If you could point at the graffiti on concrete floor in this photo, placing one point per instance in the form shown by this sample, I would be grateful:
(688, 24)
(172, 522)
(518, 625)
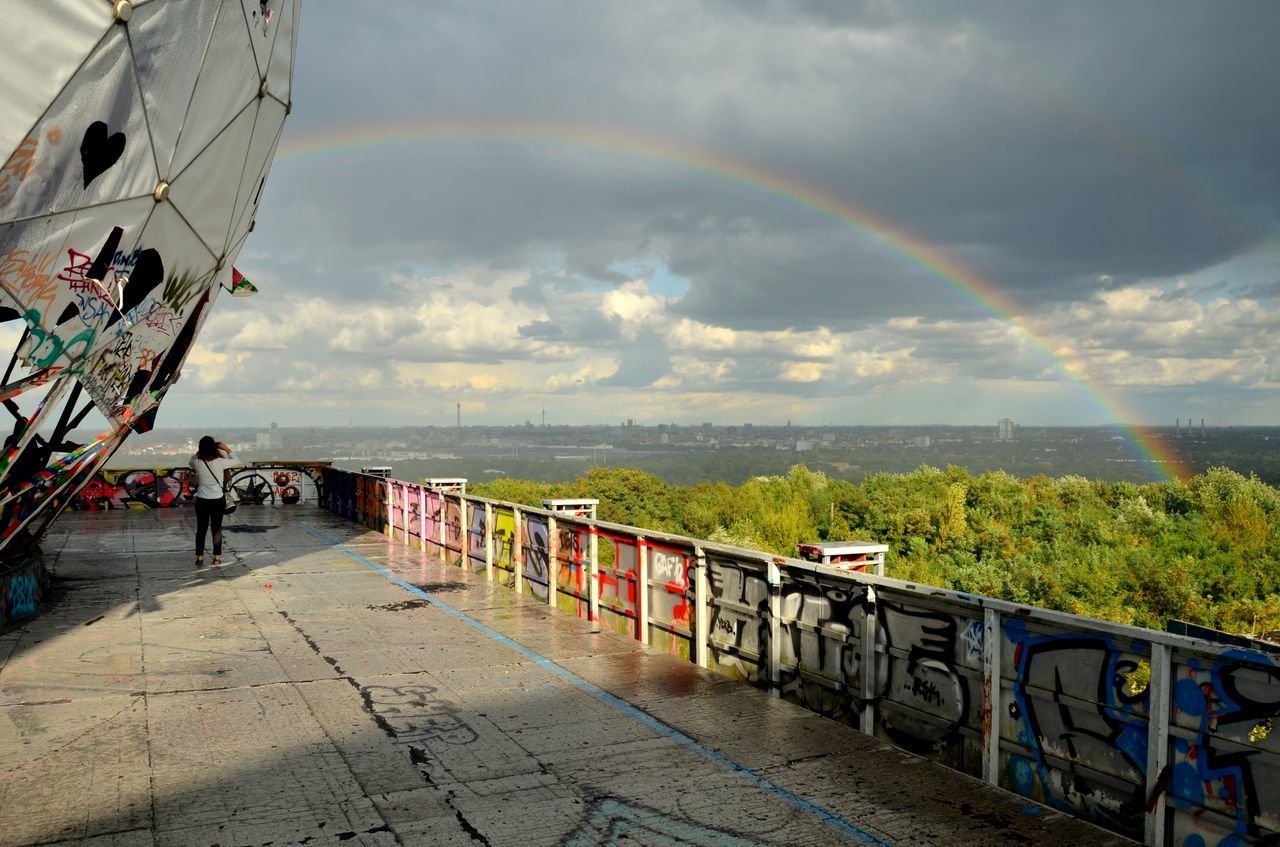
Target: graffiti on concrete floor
(610, 822)
(415, 714)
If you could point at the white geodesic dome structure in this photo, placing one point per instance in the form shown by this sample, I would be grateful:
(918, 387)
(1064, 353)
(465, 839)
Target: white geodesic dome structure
(138, 136)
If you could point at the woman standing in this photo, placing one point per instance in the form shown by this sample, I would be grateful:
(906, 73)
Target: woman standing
(212, 466)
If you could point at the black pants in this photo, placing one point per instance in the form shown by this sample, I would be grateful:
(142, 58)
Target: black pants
(209, 515)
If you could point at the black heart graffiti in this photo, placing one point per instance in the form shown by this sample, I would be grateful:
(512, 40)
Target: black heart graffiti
(99, 151)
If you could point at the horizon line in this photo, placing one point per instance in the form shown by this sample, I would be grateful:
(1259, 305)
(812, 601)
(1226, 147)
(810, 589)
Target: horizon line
(793, 425)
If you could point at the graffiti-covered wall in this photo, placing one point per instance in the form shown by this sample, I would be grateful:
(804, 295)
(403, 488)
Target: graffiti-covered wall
(258, 483)
(1163, 738)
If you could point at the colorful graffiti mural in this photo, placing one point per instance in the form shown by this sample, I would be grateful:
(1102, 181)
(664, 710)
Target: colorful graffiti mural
(260, 483)
(1079, 723)
(270, 483)
(135, 489)
(573, 569)
(1224, 780)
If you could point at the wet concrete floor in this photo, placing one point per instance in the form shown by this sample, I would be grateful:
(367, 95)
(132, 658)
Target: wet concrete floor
(298, 695)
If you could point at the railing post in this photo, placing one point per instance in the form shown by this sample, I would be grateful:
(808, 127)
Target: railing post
(1158, 697)
(642, 590)
(405, 511)
(991, 662)
(464, 534)
(390, 528)
(701, 610)
(422, 517)
(553, 553)
(517, 550)
(869, 626)
(390, 518)
(488, 541)
(774, 579)
(593, 589)
(442, 521)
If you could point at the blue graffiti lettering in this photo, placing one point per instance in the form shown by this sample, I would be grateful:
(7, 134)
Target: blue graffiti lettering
(22, 597)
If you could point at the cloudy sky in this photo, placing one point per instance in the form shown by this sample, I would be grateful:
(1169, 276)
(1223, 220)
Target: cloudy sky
(759, 210)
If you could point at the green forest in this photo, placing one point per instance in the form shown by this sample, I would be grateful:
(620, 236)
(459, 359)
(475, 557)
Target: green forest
(1205, 551)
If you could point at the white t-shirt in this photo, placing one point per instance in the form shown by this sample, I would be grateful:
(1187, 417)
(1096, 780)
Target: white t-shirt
(209, 478)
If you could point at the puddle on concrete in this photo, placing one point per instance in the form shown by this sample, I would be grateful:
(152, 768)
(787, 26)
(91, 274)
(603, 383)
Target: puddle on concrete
(437, 587)
(399, 607)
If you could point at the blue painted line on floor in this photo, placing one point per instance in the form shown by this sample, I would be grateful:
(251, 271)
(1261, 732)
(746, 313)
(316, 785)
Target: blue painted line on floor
(637, 714)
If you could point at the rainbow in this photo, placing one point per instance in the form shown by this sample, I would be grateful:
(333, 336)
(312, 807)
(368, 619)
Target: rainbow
(875, 229)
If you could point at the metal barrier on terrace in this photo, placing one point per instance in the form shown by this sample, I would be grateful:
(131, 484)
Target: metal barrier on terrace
(1163, 738)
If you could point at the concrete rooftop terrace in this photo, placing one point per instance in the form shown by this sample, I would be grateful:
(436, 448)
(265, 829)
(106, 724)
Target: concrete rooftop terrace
(326, 685)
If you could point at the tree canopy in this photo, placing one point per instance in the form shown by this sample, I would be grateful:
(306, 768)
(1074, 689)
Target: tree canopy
(1205, 551)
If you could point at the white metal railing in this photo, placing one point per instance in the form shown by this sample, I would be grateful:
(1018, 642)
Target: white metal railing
(1164, 738)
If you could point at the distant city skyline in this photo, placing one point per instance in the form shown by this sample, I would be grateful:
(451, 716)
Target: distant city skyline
(270, 434)
(700, 452)
(863, 213)
(241, 423)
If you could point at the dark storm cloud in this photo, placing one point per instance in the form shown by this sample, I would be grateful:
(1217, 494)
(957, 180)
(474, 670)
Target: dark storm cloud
(774, 281)
(1064, 141)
